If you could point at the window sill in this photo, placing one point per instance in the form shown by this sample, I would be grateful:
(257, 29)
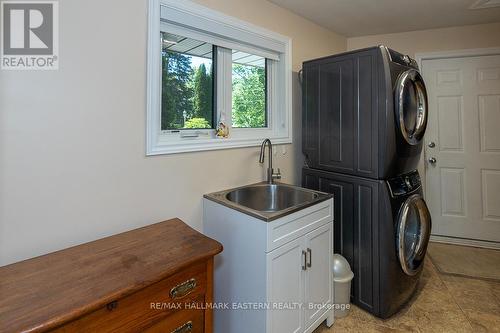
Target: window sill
(196, 144)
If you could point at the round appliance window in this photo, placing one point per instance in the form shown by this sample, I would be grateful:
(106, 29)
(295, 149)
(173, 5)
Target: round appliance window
(414, 227)
(411, 106)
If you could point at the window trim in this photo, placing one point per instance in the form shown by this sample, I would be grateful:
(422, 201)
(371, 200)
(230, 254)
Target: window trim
(279, 120)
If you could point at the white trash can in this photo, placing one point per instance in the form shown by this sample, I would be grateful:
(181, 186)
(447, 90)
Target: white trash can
(342, 277)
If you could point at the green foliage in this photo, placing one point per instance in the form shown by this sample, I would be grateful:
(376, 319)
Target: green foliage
(187, 100)
(202, 93)
(249, 96)
(186, 93)
(176, 96)
(197, 123)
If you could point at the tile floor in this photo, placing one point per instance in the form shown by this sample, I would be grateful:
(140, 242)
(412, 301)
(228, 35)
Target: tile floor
(465, 260)
(443, 303)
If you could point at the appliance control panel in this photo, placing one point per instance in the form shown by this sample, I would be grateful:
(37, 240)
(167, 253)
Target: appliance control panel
(402, 59)
(404, 184)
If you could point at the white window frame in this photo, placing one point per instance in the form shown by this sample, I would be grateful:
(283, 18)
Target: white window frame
(186, 18)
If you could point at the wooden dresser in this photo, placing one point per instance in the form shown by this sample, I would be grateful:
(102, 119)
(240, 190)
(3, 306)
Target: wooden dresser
(152, 279)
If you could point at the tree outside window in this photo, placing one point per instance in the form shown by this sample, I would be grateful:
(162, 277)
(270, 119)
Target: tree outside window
(187, 97)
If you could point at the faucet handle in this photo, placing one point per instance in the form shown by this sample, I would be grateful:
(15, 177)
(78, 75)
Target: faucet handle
(277, 175)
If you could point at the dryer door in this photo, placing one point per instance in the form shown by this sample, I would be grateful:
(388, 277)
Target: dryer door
(413, 232)
(411, 106)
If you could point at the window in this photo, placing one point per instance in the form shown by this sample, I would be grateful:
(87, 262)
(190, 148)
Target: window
(187, 83)
(249, 100)
(206, 68)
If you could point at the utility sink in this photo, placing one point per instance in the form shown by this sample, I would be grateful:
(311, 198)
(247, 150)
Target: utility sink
(270, 197)
(268, 201)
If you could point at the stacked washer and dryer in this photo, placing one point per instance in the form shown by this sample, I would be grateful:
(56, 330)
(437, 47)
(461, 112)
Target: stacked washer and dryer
(364, 118)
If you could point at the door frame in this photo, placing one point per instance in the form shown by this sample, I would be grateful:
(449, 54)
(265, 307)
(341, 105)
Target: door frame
(450, 54)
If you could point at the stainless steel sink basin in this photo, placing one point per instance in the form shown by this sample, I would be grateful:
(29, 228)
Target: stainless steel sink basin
(268, 201)
(270, 197)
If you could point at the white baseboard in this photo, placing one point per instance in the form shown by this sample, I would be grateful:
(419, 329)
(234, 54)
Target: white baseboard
(465, 242)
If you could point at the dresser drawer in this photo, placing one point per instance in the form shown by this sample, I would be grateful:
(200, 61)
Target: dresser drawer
(184, 321)
(146, 307)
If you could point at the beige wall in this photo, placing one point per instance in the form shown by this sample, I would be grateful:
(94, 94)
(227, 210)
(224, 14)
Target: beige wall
(72, 141)
(455, 38)
(309, 40)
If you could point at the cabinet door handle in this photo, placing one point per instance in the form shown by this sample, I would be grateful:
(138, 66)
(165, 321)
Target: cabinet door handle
(304, 255)
(183, 289)
(187, 327)
(309, 251)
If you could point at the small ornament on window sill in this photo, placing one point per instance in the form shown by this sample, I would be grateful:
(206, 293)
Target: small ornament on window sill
(222, 130)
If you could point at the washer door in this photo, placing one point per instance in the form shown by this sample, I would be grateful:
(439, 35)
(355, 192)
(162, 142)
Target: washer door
(411, 106)
(413, 232)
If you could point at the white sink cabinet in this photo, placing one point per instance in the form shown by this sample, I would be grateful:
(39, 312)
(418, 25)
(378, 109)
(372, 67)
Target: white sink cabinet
(274, 276)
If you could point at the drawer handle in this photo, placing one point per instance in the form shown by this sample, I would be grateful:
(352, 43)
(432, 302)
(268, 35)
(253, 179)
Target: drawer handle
(187, 327)
(112, 305)
(183, 289)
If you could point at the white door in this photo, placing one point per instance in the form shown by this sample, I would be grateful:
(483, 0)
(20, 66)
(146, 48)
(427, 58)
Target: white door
(463, 136)
(318, 290)
(286, 267)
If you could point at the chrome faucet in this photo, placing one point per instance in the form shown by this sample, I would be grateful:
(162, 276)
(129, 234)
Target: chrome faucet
(271, 176)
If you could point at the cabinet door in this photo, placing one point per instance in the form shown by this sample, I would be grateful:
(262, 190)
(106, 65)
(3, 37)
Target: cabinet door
(318, 277)
(285, 276)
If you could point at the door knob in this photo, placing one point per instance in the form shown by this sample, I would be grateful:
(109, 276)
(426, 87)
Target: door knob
(432, 160)
(431, 144)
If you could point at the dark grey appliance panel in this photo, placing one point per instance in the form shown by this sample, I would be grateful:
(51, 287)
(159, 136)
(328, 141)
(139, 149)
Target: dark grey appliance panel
(310, 116)
(355, 229)
(336, 120)
(344, 230)
(340, 107)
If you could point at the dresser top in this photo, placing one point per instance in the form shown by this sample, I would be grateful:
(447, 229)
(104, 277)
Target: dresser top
(47, 291)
